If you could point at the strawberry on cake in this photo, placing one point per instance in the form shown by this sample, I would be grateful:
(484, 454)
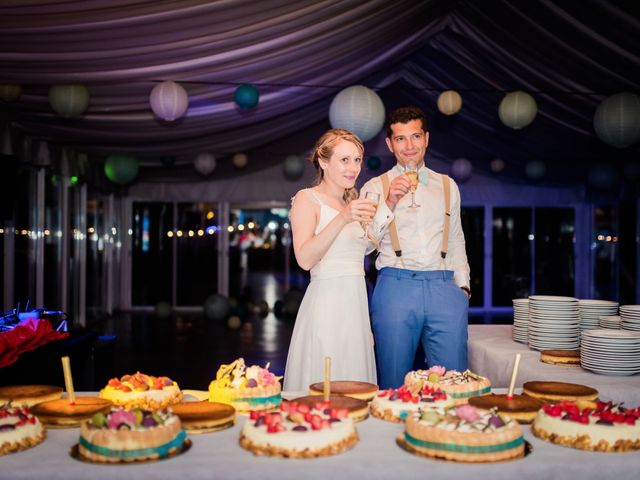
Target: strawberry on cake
(19, 429)
(460, 386)
(142, 391)
(394, 405)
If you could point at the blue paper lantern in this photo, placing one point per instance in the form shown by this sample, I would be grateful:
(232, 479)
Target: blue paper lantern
(246, 96)
(603, 176)
(168, 160)
(535, 169)
(373, 162)
(121, 169)
(461, 170)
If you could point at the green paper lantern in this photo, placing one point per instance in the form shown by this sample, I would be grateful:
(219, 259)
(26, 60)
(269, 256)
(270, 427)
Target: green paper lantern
(121, 169)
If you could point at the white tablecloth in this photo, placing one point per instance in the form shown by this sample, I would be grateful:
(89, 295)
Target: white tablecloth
(492, 353)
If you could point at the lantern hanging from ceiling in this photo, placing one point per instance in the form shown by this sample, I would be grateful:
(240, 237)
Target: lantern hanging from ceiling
(373, 162)
(449, 102)
(617, 120)
(205, 163)
(497, 165)
(535, 169)
(240, 160)
(169, 100)
(603, 176)
(461, 170)
(246, 96)
(69, 100)
(517, 110)
(10, 93)
(359, 110)
(293, 167)
(121, 169)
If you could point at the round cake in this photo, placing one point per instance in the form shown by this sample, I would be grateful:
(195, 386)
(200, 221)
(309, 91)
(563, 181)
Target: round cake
(566, 358)
(61, 413)
(394, 405)
(205, 416)
(463, 434)
(29, 395)
(358, 409)
(298, 431)
(522, 408)
(361, 390)
(142, 391)
(588, 425)
(460, 386)
(19, 430)
(246, 388)
(133, 435)
(557, 391)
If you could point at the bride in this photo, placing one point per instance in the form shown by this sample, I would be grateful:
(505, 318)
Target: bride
(328, 239)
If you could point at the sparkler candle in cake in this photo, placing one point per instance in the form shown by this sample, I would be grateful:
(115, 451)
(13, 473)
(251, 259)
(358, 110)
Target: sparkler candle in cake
(19, 429)
(246, 388)
(394, 405)
(142, 391)
(459, 386)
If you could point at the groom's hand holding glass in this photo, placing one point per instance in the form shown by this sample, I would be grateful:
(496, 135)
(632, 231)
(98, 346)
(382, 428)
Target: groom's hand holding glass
(398, 188)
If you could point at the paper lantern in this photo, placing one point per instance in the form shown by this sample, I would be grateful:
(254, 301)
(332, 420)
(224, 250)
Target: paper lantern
(497, 165)
(121, 169)
(10, 93)
(168, 160)
(169, 100)
(293, 167)
(517, 110)
(449, 102)
(535, 169)
(617, 120)
(461, 170)
(603, 176)
(373, 162)
(240, 160)
(205, 163)
(69, 100)
(246, 96)
(359, 110)
(216, 307)
(163, 310)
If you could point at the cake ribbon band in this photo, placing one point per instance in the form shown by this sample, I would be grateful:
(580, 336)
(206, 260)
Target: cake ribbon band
(161, 451)
(469, 394)
(452, 447)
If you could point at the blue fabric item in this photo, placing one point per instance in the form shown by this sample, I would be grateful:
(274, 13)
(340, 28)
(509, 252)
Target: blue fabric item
(410, 307)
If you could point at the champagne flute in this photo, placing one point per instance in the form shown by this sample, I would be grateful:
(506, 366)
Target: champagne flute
(411, 171)
(376, 198)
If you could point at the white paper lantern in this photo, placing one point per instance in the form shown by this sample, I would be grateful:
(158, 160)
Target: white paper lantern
(69, 100)
(10, 93)
(517, 110)
(293, 167)
(240, 160)
(617, 120)
(449, 102)
(205, 163)
(359, 110)
(535, 169)
(461, 170)
(169, 100)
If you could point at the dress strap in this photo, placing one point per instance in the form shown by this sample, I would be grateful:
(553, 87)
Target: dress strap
(314, 197)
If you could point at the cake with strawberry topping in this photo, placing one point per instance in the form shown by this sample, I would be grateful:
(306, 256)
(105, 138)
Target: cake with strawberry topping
(246, 388)
(299, 431)
(589, 425)
(394, 405)
(19, 429)
(142, 391)
(460, 386)
(463, 434)
(131, 435)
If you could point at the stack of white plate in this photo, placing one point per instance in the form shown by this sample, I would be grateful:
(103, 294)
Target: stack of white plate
(610, 352)
(554, 323)
(590, 310)
(613, 322)
(520, 319)
(630, 315)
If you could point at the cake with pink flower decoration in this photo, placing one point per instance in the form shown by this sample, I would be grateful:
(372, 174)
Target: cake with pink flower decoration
(463, 434)
(246, 388)
(460, 386)
(395, 404)
(135, 435)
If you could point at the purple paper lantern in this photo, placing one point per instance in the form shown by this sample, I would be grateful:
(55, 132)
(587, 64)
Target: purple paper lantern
(461, 170)
(169, 100)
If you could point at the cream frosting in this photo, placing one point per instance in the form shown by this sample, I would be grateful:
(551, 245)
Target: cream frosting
(19, 433)
(597, 432)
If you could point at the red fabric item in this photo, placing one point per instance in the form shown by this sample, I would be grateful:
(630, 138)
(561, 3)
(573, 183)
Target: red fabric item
(27, 335)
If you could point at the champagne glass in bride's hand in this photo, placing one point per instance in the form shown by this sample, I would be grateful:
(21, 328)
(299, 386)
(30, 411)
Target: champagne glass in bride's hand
(411, 172)
(376, 198)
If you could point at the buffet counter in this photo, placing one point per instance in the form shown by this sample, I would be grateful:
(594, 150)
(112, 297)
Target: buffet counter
(492, 352)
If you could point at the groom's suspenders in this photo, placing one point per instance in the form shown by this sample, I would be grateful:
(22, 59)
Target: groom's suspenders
(393, 230)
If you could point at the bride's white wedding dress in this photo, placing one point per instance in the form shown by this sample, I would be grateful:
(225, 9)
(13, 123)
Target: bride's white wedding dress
(333, 319)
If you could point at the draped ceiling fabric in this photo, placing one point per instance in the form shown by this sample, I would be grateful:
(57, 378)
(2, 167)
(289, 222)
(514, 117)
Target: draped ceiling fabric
(568, 55)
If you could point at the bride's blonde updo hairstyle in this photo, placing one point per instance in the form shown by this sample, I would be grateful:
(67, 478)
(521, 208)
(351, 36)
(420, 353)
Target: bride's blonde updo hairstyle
(324, 149)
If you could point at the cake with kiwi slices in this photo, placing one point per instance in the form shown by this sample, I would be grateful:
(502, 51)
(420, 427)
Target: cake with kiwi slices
(130, 435)
(459, 386)
(142, 391)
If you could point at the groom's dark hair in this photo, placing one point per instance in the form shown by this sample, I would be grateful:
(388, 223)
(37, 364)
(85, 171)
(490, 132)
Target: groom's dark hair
(405, 115)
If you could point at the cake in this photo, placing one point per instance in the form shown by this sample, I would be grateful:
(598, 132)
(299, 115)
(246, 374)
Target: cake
(61, 413)
(361, 390)
(522, 408)
(124, 435)
(588, 425)
(557, 391)
(204, 416)
(246, 388)
(463, 434)
(142, 391)
(358, 409)
(28, 395)
(394, 405)
(299, 431)
(567, 358)
(19, 429)
(460, 386)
